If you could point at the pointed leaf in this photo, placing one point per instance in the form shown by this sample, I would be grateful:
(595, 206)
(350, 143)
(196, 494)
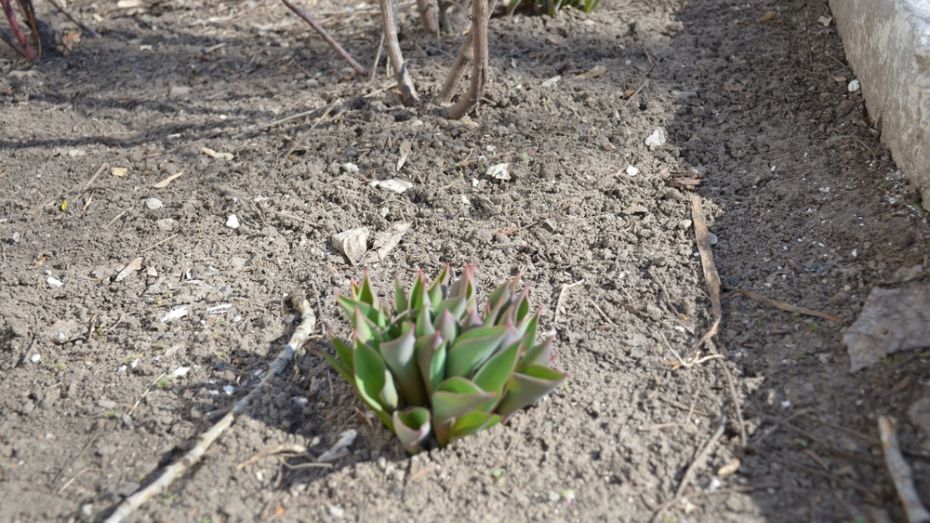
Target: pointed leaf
(412, 426)
(447, 326)
(366, 294)
(375, 315)
(341, 367)
(456, 396)
(419, 295)
(400, 357)
(388, 394)
(537, 355)
(472, 423)
(494, 374)
(369, 376)
(455, 305)
(424, 323)
(400, 298)
(435, 288)
(472, 348)
(344, 351)
(526, 387)
(362, 327)
(431, 360)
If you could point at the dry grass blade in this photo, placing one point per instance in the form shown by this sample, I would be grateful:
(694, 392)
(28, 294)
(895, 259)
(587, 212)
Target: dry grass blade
(787, 307)
(699, 459)
(288, 448)
(901, 473)
(359, 68)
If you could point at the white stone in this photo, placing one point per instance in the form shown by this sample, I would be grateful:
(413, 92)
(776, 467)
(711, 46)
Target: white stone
(232, 221)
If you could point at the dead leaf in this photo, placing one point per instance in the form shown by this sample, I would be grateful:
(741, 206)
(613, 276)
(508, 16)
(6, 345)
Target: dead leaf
(133, 266)
(733, 86)
(686, 183)
(500, 171)
(404, 153)
(216, 155)
(167, 181)
(770, 16)
(393, 184)
(387, 240)
(629, 93)
(594, 72)
(339, 449)
(892, 320)
(551, 81)
(729, 468)
(352, 243)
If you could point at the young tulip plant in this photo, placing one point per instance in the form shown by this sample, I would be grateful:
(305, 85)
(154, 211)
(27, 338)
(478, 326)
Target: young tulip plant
(434, 367)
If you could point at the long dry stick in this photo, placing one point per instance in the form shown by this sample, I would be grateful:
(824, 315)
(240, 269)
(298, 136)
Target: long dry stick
(787, 307)
(359, 68)
(408, 92)
(456, 71)
(479, 74)
(702, 237)
(192, 457)
(901, 473)
(84, 27)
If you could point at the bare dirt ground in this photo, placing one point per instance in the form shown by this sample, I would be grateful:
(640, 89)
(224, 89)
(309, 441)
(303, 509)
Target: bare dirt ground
(804, 200)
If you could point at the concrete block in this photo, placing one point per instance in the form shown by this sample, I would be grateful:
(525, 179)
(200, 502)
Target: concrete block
(887, 43)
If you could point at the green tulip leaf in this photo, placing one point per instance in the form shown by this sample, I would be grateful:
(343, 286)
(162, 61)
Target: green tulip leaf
(472, 348)
(472, 423)
(400, 356)
(526, 387)
(412, 427)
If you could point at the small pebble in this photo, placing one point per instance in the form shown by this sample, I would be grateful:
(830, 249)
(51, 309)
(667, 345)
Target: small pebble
(107, 404)
(336, 512)
(684, 224)
(153, 204)
(229, 389)
(54, 282)
(853, 86)
(713, 238)
(632, 170)
(166, 224)
(35, 358)
(232, 221)
(15, 237)
(656, 139)
(350, 168)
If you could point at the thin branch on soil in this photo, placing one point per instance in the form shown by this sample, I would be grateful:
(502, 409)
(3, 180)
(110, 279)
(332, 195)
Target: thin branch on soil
(787, 307)
(702, 237)
(603, 314)
(479, 73)
(292, 449)
(359, 68)
(699, 459)
(192, 457)
(561, 299)
(901, 473)
(692, 360)
(408, 92)
(77, 21)
(160, 242)
(144, 394)
(87, 185)
(72, 480)
(374, 65)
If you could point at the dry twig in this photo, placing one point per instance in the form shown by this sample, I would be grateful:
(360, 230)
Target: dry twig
(561, 299)
(407, 91)
(901, 473)
(359, 68)
(193, 456)
(84, 27)
(702, 236)
(479, 74)
(787, 307)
